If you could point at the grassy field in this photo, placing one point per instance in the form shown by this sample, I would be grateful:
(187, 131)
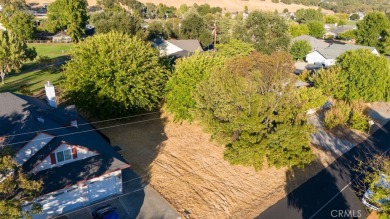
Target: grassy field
(34, 74)
(52, 50)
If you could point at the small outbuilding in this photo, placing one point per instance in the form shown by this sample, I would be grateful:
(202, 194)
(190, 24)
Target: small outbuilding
(62, 37)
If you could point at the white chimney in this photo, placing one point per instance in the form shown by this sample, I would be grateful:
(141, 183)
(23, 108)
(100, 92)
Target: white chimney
(50, 95)
(74, 123)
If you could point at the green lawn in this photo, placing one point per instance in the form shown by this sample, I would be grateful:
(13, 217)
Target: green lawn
(52, 50)
(33, 74)
(35, 80)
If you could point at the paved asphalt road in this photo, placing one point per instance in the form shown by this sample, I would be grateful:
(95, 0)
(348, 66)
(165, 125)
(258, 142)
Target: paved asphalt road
(329, 194)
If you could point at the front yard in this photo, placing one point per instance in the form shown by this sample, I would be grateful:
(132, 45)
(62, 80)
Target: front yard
(34, 74)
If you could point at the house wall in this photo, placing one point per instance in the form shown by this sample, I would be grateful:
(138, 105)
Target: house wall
(70, 198)
(28, 150)
(315, 57)
(46, 163)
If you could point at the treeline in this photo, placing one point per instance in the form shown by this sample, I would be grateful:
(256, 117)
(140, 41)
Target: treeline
(352, 6)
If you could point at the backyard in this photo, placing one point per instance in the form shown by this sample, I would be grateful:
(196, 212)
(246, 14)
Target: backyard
(34, 74)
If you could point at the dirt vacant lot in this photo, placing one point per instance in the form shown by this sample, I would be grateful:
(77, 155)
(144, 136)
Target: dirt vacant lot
(188, 169)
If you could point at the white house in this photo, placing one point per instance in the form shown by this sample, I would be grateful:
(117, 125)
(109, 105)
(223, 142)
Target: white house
(76, 169)
(328, 55)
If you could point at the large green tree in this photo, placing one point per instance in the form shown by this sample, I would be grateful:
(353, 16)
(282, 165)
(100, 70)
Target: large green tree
(21, 23)
(365, 75)
(233, 48)
(189, 72)
(268, 32)
(299, 49)
(120, 21)
(70, 15)
(13, 53)
(251, 106)
(296, 30)
(306, 15)
(114, 74)
(15, 188)
(194, 26)
(316, 29)
(372, 29)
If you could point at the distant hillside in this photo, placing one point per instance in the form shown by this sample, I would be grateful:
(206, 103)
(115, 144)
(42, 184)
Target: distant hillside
(41, 2)
(229, 5)
(233, 5)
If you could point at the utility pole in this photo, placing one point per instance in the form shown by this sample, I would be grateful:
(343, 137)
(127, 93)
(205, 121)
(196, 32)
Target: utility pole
(215, 34)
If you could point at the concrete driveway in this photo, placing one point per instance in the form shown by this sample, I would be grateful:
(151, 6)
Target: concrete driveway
(137, 201)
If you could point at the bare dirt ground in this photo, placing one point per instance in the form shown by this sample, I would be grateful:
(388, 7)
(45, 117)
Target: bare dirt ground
(183, 165)
(227, 5)
(188, 169)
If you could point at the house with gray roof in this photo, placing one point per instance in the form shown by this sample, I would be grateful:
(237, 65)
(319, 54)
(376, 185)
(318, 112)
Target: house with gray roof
(327, 56)
(314, 42)
(76, 163)
(333, 30)
(177, 48)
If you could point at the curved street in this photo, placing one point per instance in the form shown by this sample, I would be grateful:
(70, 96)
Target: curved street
(330, 193)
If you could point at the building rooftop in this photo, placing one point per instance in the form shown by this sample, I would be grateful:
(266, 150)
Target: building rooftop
(23, 117)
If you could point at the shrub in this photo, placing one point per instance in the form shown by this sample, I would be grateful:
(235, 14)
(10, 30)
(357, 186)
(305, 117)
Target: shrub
(337, 115)
(359, 119)
(25, 90)
(44, 60)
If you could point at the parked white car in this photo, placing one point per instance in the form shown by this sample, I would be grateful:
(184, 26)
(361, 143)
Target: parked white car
(368, 195)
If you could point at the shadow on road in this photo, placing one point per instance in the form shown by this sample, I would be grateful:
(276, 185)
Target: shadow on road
(333, 192)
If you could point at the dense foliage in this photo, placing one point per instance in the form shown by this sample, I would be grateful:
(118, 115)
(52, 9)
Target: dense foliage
(120, 21)
(359, 75)
(316, 29)
(189, 72)
(249, 105)
(15, 188)
(21, 23)
(13, 52)
(194, 26)
(68, 14)
(299, 49)
(371, 30)
(364, 75)
(296, 29)
(114, 74)
(268, 32)
(307, 15)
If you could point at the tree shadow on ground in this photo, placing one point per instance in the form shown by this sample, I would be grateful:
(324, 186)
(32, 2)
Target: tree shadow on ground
(139, 140)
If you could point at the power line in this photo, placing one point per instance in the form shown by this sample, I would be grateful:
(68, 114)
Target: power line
(141, 188)
(346, 186)
(87, 123)
(91, 130)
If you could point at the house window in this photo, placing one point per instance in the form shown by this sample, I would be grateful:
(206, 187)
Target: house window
(64, 155)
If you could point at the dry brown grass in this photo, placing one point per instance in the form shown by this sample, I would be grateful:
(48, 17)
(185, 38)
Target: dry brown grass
(188, 169)
(227, 5)
(233, 5)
